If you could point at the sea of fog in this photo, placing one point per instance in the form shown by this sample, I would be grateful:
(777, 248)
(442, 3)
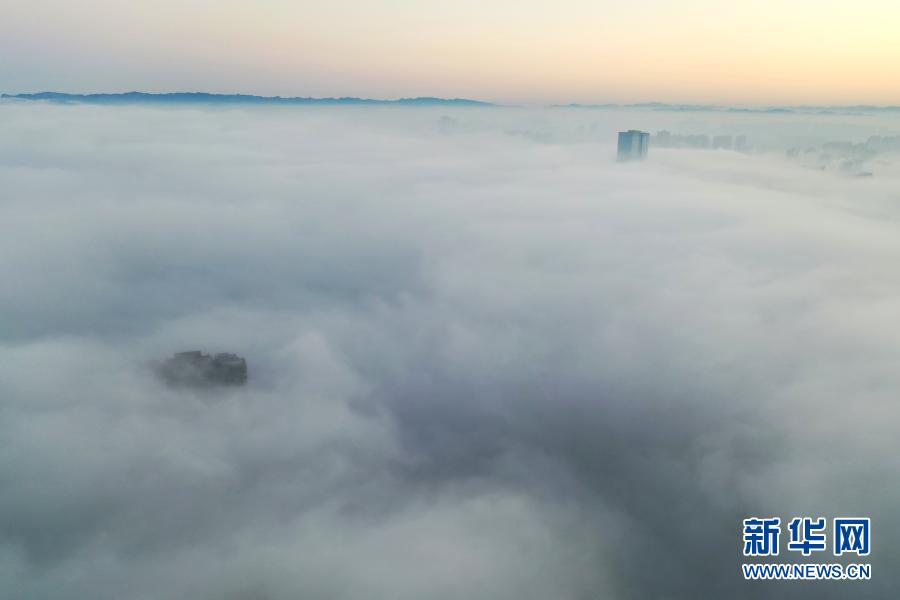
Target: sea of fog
(485, 360)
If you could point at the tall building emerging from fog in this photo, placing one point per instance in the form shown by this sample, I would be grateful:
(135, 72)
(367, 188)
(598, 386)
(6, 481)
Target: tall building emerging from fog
(633, 144)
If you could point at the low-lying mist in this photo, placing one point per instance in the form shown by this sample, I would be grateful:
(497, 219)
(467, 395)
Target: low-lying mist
(485, 360)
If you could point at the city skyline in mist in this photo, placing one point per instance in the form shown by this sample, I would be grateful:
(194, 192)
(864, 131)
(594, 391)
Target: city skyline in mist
(532, 52)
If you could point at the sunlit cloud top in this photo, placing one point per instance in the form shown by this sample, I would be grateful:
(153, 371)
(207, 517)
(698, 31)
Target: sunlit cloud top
(765, 51)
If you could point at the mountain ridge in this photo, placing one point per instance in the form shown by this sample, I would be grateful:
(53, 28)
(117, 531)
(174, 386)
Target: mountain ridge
(211, 98)
(662, 106)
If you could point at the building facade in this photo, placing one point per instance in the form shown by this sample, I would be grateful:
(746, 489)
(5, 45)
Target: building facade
(633, 145)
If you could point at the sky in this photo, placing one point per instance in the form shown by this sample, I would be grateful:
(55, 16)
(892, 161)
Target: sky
(485, 360)
(524, 51)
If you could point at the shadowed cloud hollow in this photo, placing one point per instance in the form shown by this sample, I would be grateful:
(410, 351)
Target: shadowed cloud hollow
(487, 361)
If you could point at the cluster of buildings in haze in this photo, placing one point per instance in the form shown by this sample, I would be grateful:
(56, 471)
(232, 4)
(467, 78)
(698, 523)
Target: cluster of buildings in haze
(635, 144)
(665, 139)
(844, 156)
(194, 369)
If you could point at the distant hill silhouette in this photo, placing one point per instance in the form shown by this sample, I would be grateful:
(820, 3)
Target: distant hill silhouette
(206, 98)
(661, 106)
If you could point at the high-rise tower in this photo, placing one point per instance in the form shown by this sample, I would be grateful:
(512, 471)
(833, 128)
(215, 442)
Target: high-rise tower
(633, 144)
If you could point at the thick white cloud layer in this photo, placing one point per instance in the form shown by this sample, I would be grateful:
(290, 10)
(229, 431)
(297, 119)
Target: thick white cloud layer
(486, 361)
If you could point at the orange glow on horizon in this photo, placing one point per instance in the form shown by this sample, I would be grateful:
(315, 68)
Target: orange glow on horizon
(529, 51)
